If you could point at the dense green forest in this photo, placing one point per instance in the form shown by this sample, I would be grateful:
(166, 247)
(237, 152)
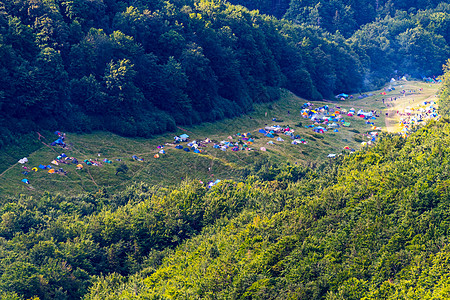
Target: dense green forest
(369, 225)
(139, 68)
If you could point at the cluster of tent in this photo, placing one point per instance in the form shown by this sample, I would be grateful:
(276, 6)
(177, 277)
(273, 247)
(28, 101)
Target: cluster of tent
(161, 151)
(413, 116)
(271, 131)
(343, 96)
(194, 146)
(135, 157)
(431, 79)
(362, 96)
(54, 167)
(182, 138)
(325, 120)
(60, 140)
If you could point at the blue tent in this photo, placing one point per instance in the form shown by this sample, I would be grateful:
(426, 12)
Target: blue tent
(184, 136)
(42, 167)
(179, 147)
(25, 181)
(186, 149)
(262, 131)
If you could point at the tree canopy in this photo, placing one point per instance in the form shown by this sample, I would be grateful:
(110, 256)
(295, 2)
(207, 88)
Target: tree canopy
(139, 68)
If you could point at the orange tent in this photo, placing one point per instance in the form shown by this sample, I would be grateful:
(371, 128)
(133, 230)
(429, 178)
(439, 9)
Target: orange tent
(51, 171)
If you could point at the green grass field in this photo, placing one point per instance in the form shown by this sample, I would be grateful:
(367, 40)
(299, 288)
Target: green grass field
(177, 165)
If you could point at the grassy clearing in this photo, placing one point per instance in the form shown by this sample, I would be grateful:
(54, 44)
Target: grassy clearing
(178, 165)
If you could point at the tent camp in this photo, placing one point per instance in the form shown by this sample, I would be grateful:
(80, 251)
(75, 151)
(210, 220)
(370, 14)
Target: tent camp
(342, 95)
(23, 160)
(365, 114)
(184, 137)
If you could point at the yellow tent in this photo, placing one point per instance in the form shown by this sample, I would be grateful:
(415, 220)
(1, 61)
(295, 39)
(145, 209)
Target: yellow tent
(79, 166)
(34, 169)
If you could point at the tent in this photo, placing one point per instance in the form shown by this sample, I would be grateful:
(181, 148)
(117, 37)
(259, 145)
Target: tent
(162, 152)
(42, 167)
(34, 169)
(179, 147)
(55, 162)
(211, 183)
(262, 131)
(51, 171)
(23, 160)
(262, 149)
(25, 181)
(79, 167)
(280, 139)
(156, 155)
(184, 137)
(331, 155)
(187, 149)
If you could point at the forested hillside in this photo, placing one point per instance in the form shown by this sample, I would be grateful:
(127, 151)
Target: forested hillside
(373, 224)
(139, 68)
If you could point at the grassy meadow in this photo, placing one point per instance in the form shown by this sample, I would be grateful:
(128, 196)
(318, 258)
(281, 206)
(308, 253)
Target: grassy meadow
(177, 165)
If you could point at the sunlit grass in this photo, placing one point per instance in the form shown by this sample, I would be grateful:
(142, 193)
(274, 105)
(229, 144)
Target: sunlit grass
(177, 165)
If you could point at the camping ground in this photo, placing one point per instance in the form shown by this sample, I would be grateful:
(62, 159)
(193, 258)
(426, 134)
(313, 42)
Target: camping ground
(177, 165)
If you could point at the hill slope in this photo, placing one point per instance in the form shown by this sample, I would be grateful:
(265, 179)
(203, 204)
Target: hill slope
(175, 165)
(353, 227)
(374, 227)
